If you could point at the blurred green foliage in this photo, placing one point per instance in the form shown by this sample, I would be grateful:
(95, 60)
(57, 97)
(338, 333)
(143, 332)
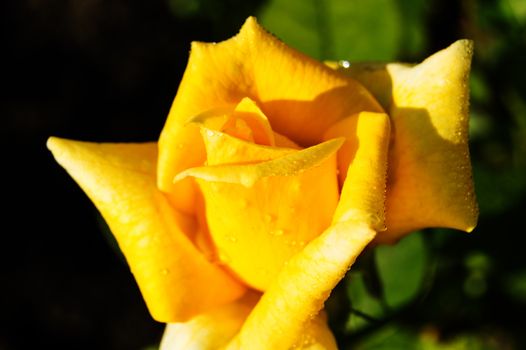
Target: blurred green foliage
(334, 29)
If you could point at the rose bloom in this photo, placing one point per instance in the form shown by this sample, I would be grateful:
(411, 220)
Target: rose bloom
(272, 173)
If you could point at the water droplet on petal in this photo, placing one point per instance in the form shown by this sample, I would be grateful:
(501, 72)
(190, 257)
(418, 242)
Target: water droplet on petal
(344, 64)
(165, 271)
(231, 239)
(277, 232)
(308, 341)
(292, 243)
(224, 258)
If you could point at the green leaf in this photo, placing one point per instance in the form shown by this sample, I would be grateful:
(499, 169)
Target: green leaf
(371, 278)
(402, 269)
(184, 8)
(516, 286)
(294, 22)
(389, 338)
(365, 30)
(393, 337)
(390, 280)
(365, 307)
(358, 30)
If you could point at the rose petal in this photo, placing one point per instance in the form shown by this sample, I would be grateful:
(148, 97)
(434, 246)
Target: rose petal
(302, 286)
(226, 120)
(363, 157)
(300, 96)
(316, 335)
(213, 330)
(176, 281)
(210, 330)
(305, 282)
(374, 76)
(247, 175)
(248, 111)
(268, 210)
(283, 141)
(224, 149)
(430, 181)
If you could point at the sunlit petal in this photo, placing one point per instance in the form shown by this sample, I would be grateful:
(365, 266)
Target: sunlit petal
(175, 279)
(430, 182)
(269, 209)
(301, 288)
(210, 330)
(213, 330)
(300, 96)
(306, 280)
(247, 175)
(363, 158)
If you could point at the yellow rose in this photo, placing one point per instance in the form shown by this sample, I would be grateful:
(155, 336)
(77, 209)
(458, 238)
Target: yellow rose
(272, 173)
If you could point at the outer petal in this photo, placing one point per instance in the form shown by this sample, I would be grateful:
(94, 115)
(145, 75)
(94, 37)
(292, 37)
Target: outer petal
(301, 97)
(430, 183)
(363, 158)
(316, 335)
(176, 281)
(260, 214)
(301, 288)
(214, 329)
(305, 282)
(210, 330)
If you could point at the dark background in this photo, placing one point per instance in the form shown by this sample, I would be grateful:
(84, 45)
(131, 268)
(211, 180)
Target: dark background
(108, 70)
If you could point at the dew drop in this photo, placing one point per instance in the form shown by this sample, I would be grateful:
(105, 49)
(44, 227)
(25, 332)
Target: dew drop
(144, 242)
(277, 232)
(307, 341)
(231, 239)
(344, 64)
(224, 258)
(165, 271)
(292, 243)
